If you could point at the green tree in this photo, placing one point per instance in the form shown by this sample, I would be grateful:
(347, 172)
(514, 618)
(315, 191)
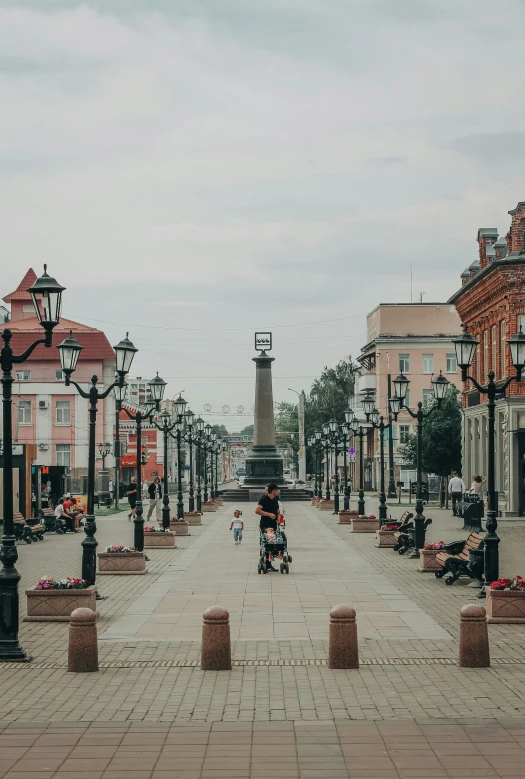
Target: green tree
(441, 438)
(220, 430)
(248, 430)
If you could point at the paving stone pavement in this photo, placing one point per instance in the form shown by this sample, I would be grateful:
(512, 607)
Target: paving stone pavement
(280, 694)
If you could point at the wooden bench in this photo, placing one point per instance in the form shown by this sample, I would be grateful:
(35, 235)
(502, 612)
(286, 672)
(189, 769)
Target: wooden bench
(404, 536)
(51, 523)
(25, 532)
(456, 560)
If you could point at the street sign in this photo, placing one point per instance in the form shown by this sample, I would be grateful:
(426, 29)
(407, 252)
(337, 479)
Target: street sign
(352, 450)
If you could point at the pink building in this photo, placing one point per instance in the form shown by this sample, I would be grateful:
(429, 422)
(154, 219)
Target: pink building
(46, 412)
(413, 338)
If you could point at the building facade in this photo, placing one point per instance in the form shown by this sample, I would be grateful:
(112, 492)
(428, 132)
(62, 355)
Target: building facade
(491, 302)
(410, 338)
(46, 412)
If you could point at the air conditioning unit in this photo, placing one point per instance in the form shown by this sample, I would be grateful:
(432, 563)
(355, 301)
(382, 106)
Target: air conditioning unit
(43, 404)
(43, 447)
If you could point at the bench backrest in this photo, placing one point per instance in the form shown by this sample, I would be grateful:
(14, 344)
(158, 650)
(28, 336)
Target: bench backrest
(18, 517)
(473, 541)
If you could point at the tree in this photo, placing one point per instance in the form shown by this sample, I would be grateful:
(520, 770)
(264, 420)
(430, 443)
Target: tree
(248, 430)
(441, 438)
(220, 430)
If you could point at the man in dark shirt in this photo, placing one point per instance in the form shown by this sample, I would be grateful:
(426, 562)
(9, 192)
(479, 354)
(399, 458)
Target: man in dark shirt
(268, 510)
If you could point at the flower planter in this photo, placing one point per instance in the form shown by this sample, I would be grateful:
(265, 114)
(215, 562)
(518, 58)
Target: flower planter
(427, 560)
(156, 539)
(326, 505)
(364, 525)
(345, 517)
(179, 528)
(505, 606)
(208, 506)
(122, 563)
(193, 517)
(57, 605)
(385, 538)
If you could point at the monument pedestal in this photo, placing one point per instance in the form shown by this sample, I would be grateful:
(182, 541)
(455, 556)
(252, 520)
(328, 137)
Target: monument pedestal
(263, 464)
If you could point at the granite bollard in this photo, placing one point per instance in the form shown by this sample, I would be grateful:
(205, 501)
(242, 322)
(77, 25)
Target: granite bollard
(473, 638)
(216, 652)
(342, 648)
(83, 645)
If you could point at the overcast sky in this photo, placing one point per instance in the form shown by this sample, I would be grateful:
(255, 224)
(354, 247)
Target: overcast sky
(194, 170)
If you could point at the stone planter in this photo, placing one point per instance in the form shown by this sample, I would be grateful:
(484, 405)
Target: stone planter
(57, 605)
(326, 505)
(505, 606)
(193, 517)
(427, 560)
(122, 563)
(152, 539)
(364, 525)
(345, 517)
(209, 506)
(179, 528)
(385, 538)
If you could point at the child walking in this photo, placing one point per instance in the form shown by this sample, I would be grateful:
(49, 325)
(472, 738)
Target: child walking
(238, 526)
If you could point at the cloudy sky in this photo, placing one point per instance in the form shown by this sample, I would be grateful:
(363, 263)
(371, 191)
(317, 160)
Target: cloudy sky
(193, 170)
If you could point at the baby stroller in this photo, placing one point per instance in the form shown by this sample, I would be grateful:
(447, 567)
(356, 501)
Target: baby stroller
(271, 550)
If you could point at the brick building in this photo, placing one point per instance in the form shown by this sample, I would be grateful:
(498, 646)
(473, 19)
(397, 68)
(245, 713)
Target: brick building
(491, 302)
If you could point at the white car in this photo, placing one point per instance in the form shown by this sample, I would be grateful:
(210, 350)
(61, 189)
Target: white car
(291, 484)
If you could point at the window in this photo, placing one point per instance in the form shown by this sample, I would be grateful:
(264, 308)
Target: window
(404, 363)
(494, 347)
(23, 375)
(28, 309)
(485, 351)
(63, 412)
(59, 375)
(427, 396)
(452, 365)
(64, 454)
(503, 350)
(24, 412)
(428, 363)
(404, 433)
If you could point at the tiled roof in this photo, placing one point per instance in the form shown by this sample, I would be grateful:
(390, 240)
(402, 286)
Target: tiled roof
(21, 292)
(96, 345)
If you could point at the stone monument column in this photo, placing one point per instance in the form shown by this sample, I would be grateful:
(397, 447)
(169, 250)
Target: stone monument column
(263, 464)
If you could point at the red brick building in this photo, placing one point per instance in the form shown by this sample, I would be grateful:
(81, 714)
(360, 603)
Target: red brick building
(491, 302)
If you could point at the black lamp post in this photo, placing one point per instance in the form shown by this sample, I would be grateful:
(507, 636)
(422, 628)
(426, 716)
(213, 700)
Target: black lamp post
(465, 346)
(318, 458)
(439, 387)
(104, 449)
(206, 440)
(190, 419)
(216, 450)
(165, 427)
(46, 296)
(120, 395)
(156, 387)
(180, 405)
(391, 493)
(69, 351)
(326, 444)
(224, 459)
(199, 431)
(338, 436)
(377, 422)
(360, 432)
(345, 429)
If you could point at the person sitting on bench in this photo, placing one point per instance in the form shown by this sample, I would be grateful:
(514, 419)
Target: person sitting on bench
(61, 513)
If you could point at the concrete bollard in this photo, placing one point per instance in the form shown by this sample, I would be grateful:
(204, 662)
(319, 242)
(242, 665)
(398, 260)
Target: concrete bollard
(342, 649)
(473, 638)
(83, 645)
(216, 654)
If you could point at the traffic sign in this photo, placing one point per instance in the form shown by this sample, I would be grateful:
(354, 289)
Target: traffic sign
(352, 450)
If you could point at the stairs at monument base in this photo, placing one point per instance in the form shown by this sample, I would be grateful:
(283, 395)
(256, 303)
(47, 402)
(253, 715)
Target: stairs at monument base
(242, 495)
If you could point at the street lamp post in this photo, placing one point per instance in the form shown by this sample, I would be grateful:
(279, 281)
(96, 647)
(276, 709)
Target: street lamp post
(46, 296)
(190, 419)
(318, 457)
(439, 387)
(156, 386)
(165, 427)
(326, 444)
(338, 435)
(377, 422)
(199, 431)
(205, 447)
(391, 481)
(345, 427)
(360, 432)
(180, 405)
(69, 351)
(120, 395)
(465, 347)
(104, 449)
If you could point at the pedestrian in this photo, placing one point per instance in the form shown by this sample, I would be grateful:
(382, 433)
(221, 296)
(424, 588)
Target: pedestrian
(132, 496)
(111, 487)
(456, 488)
(268, 510)
(238, 526)
(477, 485)
(155, 498)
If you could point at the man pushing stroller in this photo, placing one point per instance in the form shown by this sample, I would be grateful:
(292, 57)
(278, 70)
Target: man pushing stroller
(268, 510)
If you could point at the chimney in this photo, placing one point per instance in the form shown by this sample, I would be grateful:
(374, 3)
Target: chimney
(487, 237)
(465, 276)
(474, 268)
(517, 229)
(500, 248)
